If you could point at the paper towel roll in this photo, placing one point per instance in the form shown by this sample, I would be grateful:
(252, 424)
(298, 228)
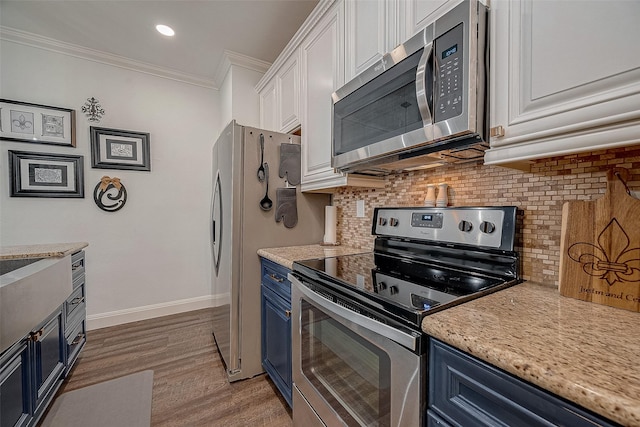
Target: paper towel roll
(330, 216)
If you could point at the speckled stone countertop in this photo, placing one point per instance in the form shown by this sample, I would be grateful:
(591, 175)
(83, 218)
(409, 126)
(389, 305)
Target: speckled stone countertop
(46, 250)
(585, 352)
(287, 255)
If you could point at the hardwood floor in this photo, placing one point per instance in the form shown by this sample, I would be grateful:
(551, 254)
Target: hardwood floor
(189, 384)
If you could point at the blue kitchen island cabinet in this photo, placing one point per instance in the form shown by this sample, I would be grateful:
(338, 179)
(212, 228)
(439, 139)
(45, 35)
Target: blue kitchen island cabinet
(276, 325)
(467, 392)
(33, 368)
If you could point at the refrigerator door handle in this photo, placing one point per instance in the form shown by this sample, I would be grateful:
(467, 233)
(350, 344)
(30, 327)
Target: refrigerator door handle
(217, 217)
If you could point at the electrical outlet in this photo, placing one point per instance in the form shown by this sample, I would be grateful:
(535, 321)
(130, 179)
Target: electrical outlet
(360, 209)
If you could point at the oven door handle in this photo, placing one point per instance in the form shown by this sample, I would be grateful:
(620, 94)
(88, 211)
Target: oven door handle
(407, 340)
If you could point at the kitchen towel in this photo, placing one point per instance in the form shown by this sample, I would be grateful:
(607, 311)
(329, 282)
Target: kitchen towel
(330, 216)
(290, 163)
(124, 401)
(286, 207)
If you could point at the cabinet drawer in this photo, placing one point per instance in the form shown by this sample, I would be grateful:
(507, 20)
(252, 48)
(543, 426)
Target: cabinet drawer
(75, 341)
(465, 391)
(77, 265)
(76, 300)
(274, 277)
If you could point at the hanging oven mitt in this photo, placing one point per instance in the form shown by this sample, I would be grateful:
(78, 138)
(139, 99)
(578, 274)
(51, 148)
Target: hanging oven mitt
(290, 163)
(286, 207)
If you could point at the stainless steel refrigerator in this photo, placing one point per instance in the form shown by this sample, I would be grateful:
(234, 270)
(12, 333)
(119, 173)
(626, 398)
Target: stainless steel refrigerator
(240, 226)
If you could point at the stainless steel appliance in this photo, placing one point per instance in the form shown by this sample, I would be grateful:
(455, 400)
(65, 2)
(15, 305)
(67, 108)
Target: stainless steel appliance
(359, 355)
(423, 104)
(240, 225)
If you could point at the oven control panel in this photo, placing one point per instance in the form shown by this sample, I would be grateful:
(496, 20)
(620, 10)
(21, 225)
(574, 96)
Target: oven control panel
(492, 227)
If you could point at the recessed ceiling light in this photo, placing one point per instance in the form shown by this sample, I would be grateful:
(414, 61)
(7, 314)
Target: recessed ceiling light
(165, 30)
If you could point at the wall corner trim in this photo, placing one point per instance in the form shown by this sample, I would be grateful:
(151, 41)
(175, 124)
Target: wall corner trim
(230, 58)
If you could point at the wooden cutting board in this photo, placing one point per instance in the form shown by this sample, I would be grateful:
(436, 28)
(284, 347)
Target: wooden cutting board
(600, 247)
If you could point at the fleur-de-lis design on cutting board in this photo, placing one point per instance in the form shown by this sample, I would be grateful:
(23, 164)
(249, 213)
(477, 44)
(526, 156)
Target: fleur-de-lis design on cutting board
(620, 264)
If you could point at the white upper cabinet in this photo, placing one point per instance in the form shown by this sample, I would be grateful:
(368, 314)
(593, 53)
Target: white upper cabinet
(269, 107)
(322, 74)
(371, 30)
(280, 98)
(415, 15)
(565, 77)
(288, 83)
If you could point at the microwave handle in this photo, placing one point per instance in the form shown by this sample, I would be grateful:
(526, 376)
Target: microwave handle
(421, 88)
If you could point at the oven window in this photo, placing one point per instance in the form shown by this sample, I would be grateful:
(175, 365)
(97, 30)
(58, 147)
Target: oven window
(352, 374)
(383, 108)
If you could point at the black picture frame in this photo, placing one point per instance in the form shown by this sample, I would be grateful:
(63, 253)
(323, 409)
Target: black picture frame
(37, 124)
(119, 149)
(46, 175)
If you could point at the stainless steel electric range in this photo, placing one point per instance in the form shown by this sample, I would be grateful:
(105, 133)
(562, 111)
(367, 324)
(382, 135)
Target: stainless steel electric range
(359, 354)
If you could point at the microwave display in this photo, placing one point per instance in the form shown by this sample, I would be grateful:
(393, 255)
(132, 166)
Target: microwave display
(453, 49)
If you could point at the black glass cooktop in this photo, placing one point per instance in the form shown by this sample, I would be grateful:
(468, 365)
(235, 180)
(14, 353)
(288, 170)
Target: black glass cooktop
(409, 289)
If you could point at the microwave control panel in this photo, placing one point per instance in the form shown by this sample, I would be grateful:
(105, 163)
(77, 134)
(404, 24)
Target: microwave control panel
(448, 52)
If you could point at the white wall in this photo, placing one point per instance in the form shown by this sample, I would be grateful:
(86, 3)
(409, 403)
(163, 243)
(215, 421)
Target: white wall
(153, 256)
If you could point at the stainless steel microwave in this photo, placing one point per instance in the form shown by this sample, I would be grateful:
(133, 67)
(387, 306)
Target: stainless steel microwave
(421, 105)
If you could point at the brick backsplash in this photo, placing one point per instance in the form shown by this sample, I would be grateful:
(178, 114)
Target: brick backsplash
(539, 194)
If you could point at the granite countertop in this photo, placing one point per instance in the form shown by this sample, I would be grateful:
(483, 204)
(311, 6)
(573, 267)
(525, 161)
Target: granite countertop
(46, 250)
(585, 352)
(287, 255)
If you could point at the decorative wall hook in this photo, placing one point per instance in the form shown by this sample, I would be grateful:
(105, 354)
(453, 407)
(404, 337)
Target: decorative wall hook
(93, 110)
(112, 190)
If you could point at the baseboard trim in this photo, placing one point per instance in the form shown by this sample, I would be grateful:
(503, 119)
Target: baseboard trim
(119, 317)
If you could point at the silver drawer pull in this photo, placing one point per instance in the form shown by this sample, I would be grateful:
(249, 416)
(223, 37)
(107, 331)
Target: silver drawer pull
(78, 339)
(77, 300)
(276, 278)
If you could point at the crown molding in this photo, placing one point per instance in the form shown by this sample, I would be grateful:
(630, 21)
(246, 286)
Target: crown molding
(230, 58)
(41, 42)
(316, 14)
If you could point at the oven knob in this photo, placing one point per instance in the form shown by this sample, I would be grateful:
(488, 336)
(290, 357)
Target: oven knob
(393, 290)
(382, 221)
(382, 286)
(487, 227)
(393, 222)
(465, 226)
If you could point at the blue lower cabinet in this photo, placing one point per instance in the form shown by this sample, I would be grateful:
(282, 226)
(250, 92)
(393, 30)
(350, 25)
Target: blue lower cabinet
(32, 369)
(48, 356)
(276, 327)
(466, 392)
(15, 403)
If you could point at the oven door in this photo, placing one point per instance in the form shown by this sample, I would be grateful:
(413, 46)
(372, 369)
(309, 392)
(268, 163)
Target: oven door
(350, 369)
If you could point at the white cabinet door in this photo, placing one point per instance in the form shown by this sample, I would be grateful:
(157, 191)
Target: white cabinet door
(322, 74)
(371, 30)
(288, 90)
(269, 107)
(565, 77)
(418, 14)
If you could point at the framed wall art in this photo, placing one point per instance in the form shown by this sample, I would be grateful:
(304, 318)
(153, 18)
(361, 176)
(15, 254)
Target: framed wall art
(45, 175)
(37, 124)
(119, 149)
